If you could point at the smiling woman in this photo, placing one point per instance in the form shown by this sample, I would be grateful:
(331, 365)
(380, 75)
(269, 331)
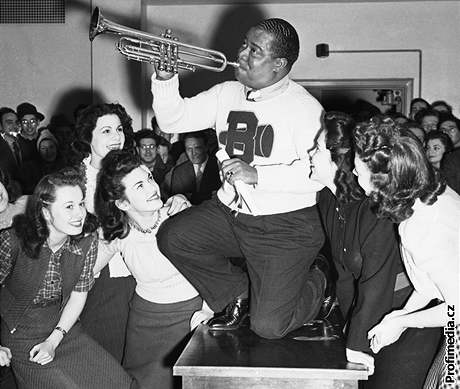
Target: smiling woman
(46, 263)
(130, 210)
(101, 128)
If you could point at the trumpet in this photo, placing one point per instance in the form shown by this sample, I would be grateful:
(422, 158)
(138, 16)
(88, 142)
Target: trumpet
(167, 52)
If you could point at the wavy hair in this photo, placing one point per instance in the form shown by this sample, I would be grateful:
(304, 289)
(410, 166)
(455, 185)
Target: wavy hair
(31, 227)
(338, 127)
(400, 170)
(86, 122)
(114, 167)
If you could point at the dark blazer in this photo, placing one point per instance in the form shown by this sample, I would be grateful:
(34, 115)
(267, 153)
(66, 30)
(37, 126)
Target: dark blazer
(450, 169)
(182, 181)
(7, 160)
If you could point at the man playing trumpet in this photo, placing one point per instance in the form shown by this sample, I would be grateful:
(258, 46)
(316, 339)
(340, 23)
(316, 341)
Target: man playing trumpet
(266, 123)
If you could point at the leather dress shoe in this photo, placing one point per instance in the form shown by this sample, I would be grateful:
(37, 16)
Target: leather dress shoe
(234, 316)
(322, 264)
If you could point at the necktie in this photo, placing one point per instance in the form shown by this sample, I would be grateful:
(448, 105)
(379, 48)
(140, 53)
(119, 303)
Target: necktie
(198, 177)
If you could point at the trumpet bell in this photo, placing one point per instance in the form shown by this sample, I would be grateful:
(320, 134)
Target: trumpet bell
(164, 50)
(95, 26)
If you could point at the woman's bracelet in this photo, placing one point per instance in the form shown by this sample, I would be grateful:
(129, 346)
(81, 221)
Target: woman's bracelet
(61, 330)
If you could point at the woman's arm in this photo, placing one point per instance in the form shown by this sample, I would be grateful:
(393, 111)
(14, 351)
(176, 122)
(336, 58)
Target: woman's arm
(391, 328)
(44, 352)
(105, 252)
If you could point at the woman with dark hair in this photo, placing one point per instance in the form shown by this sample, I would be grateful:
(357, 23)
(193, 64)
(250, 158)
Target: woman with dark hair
(130, 209)
(393, 170)
(436, 145)
(371, 281)
(101, 128)
(46, 270)
(10, 204)
(416, 105)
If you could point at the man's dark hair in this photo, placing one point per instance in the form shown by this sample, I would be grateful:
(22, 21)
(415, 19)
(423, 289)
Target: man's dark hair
(4, 111)
(286, 41)
(145, 133)
(195, 134)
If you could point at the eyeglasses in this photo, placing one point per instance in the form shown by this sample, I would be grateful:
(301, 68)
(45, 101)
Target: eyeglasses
(32, 122)
(147, 147)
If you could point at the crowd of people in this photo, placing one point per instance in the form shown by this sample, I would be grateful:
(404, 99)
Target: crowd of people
(115, 244)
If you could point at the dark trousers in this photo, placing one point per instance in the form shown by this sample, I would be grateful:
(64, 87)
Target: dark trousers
(279, 250)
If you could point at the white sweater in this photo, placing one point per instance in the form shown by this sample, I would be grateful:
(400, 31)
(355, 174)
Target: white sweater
(157, 279)
(275, 132)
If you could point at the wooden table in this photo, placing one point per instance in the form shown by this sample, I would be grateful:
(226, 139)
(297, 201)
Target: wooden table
(241, 359)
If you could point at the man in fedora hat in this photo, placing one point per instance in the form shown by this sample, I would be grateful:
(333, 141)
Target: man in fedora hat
(29, 119)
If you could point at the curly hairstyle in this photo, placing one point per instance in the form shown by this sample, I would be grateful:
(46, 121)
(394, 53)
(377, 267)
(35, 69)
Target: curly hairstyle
(338, 127)
(86, 122)
(12, 189)
(400, 170)
(286, 41)
(31, 227)
(115, 166)
(444, 138)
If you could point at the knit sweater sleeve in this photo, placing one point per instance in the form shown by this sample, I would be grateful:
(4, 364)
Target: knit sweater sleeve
(175, 114)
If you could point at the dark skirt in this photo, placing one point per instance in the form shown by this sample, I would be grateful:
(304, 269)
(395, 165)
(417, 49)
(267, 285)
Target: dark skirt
(79, 361)
(405, 363)
(105, 315)
(156, 335)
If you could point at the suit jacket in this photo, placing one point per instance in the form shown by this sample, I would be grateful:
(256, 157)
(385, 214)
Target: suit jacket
(182, 181)
(7, 160)
(450, 169)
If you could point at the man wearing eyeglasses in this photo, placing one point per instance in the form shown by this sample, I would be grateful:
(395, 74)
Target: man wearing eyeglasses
(29, 120)
(146, 146)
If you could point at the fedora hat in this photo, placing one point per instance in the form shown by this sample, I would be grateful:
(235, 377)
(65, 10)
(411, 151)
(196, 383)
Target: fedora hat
(28, 109)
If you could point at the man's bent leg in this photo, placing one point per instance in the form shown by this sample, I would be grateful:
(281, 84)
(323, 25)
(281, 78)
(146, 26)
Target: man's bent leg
(199, 241)
(285, 293)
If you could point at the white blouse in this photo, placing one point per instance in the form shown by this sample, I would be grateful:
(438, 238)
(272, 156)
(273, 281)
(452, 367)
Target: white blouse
(430, 247)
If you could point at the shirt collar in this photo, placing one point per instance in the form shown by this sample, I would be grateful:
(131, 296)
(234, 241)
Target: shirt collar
(69, 245)
(270, 91)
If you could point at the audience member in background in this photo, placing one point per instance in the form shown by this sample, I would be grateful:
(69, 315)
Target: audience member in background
(399, 118)
(50, 152)
(428, 119)
(416, 129)
(198, 177)
(441, 106)
(101, 128)
(436, 145)
(365, 250)
(10, 151)
(393, 170)
(64, 132)
(163, 151)
(46, 270)
(130, 210)
(416, 105)
(450, 169)
(450, 125)
(147, 149)
(29, 119)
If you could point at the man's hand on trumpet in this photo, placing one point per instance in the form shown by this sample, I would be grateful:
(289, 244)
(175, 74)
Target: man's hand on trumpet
(165, 66)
